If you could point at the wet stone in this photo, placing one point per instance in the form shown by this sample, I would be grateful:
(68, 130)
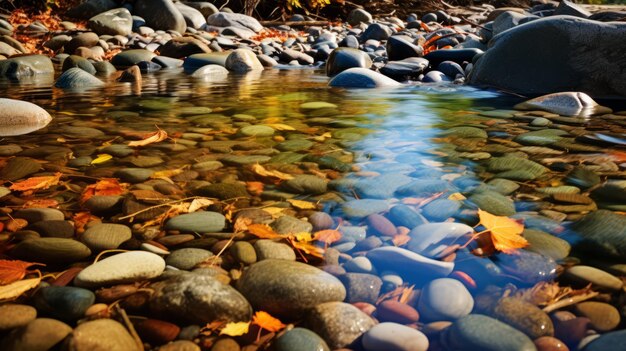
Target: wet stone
(338, 323)
(197, 222)
(243, 252)
(290, 225)
(408, 264)
(445, 299)
(479, 332)
(397, 312)
(300, 339)
(57, 229)
(528, 267)
(546, 244)
(305, 184)
(602, 316)
(134, 175)
(187, 258)
(603, 232)
(524, 317)
(268, 249)
(608, 341)
(394, 337)
(599, 278)
(361, 287)
(364, 208)
(19, 167)
(493, 203)
(223, 191)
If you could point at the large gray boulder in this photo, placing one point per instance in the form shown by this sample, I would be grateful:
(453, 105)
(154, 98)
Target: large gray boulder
(559, 53)
(26, 66)
(112, 22)
(227, 19)
(161, 14)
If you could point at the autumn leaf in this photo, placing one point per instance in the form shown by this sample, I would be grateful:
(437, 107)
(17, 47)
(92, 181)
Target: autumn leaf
(505, 232)
(302, 236)
(12, 271)
(102, 158)
(151, 138)
(15, 224)
(263, 231)
(197, 204)
(15, 289)
(280, 126)
(260, 170)
(255, 188)
(235, 328)
(307, 248)
(327, 236)
(104, 187)
(36, 183)
(81, 219)
(41, 203)
(303, 205)
(267, 322)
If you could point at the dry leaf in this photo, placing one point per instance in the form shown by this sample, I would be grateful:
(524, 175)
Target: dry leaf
(197, 204)
(274, 211)
(15, 224)
(235, 328)
(327, 236)
(260, 170)
(102, 158)
(40, 203)
(105, 187)
(302, 236)
(303, 205)
(263, 231)
(12, 271)
(505, 232)
(36, 183)
(241, 224)
(151, 138)
(280, 126)
(255, 188)
(81, 219)
(14, 290)
(308, 248)
(267, 322)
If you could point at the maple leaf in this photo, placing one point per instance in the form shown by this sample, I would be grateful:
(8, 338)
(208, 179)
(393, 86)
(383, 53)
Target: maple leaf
(505, 232)
(267, 322)
(12, 271)
(327, 236)
(151, 138)
(104, 187)
(263, 231)
(235, 328)
(36, 183)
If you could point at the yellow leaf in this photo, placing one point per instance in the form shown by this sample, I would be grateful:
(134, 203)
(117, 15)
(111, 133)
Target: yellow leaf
(197, 204)
(235, 328)
(167, 173)
(308, 248)
(274, 211)
(267, 322)
(154, 137)
(280, 126)
(303, 205)
(302, 236)
(457, 197)
(505, 232)
(14, 290)
(101, 159)
(260, 170)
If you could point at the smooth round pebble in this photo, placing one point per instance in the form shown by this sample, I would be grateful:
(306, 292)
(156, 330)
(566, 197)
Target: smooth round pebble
(394, 337)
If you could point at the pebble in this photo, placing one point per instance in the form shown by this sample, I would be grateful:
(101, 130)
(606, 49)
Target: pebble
(39, 334)
(180, 345)
(361, 287)
(66, 303)
(187, 258)
(21, 117)
(431, 239)
(101, 334)
(243, 252)
(105, 236)
(51, 250)
(394, 337)
(338, 323)
(445, 299)
(156, 332)
(602, 316)
(16, 315)
(397, 312)
(609, 341)
(300, 339)
(197, 222)
(268, 249)
(479, 332)
(548, 343)
(408, 264)
(127, 267)
(524, 317)
(599, 278)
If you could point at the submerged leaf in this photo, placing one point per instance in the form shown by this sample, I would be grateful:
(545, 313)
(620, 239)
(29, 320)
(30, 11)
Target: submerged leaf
(36, 183)
(303, 205)
(151, 138)
(104, 187)
(505, 232)
(327, 236)
(260, 170)
(102, 158)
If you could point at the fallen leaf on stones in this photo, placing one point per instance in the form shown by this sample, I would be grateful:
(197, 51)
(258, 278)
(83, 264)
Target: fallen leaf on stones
(260, 170)
(41, 203)
(36, 183)
(15, 224)
(327, 236)
(254, 188)
(235, 328)
(302, 236)
(197, 204)
(81, 219)
(280, 126)
(167, 173)
(151, 138)
(505, 232)
(12, 271)
(104, 187)
(267, 322)
(457, 197)
(102, 158)
(263, 231)
(274, 211)
(303, 205)
(307, 248)
(14, 290)
(241, 224)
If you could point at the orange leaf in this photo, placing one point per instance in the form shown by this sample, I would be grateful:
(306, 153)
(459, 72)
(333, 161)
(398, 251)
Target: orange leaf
(505, 232)
(154, 137)
(81, 219)
(254, 188)
(12, 271)
(106, 186)
(327, 236)
(263, 231)
(267, 322)
(308, 248)
(15, 224)
(41, 203)
(36, 183)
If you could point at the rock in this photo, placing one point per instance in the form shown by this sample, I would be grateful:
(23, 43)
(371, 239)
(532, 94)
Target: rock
(361, 287)
(514, 64)
(80, 62)
(127, 267)
(243, 252)
(268, 249)
(194, 18)
(75, 78)
(602, 232)
(305, 184)
(91, 8)
(431, 239)
(609, 341)
(541, 137)
(527, 267)
(396, 312)
(131, 57)
(358, 16)
(509, 19)
(21, 117)
(222, 191)
(26, 66)
(187, 258)
(66, 303)
(225, 19)
(33, 215)
(599, 278)
(133, 74)
(257, 131)
(376, 31)
(445, 299)
(394, 337)
(400, 47)
(603, 317)
(571, 9)
(363, 208)
(113, 22)
(424, 187)
(338, 323)
(242, 61)
(381, 187)
(180, 345)
(479, 332)
(39, 335)
(455, 55)
(410, 67)
(563, 103)
(288, 55)
(341, 59)
(441, 209)
(361, 78)
(516, 168)
(161, 14)
(86, 40)
(205, 7)
(15, 315)
(524, 317)
(195, 61)
(182, 47)
(105, 236)
(300, 339)
(211, 73)
(493, 202)
(197, 222)
(282, 287)
(546, 244)
(156, 331)
(198, 299)
(101, 334)
(20, 167)
(408, 264)
(50, 250)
